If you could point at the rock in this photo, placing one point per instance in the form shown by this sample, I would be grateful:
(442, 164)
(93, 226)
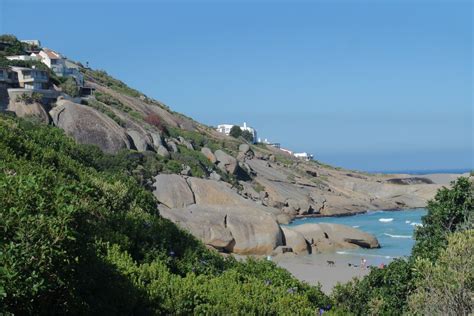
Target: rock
(184, 142)
(205, 224)
(209, 155)
(272, 158)
(239, 229)
(249, 191)
(213, 192)
(244, 148)
(331, 236)
(280, 250)
(173, 191)
(157, 140)
(163, 152)
(295, 240)
(226, 162)
(215, 176)
(283, 219)
(88, 126)
(141, 141)
(172, 145)
(186, 171)
(29, 110)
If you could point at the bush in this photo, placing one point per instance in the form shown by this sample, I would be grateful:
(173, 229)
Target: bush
(446, 287)
(247, 136)
(451, 209)
(26, 98)
(156, 121)
(235, 131)
(69, 86)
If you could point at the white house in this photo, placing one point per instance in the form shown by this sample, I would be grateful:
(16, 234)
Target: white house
(60, 65)
(303, 156)
(23, 57)
(225, 129)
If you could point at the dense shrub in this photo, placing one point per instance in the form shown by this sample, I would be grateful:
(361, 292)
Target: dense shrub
(156, 121)
(451, 210)
(69, 86)
(78, 235)
(235, 131)
(247, 136)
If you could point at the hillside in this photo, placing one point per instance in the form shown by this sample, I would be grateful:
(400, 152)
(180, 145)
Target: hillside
(240, 192)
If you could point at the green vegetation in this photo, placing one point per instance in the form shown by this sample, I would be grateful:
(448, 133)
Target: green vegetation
(103, 78)
(247, 136)
(13, 46)
(235, 131)
(29, 98)
(437, 278)
(80, 236)
(69, 86)
(104, 109)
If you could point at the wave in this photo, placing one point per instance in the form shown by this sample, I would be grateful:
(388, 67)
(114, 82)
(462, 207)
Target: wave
(356, 226)
(407, 222)
(416, 224)
(385, 220)
(398, 236)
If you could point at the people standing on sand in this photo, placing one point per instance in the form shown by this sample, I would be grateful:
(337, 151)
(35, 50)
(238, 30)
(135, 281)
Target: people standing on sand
(363, 263)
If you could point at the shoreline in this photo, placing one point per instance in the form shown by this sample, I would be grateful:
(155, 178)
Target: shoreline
(354, 213)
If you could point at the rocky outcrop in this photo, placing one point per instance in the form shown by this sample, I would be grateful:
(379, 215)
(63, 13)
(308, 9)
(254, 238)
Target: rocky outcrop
(295, 240)
(241, 230)
(88, 126)
(209, 155)
(245, 152)
(173, 191)
(34, 109)
(163, 152)
(141, 141)
(226, 162)
(214, 193)
(324, 237)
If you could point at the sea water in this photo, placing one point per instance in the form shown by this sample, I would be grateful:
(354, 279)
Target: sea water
(393, 229)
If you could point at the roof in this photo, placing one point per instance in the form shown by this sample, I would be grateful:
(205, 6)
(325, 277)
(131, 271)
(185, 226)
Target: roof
(52, 54)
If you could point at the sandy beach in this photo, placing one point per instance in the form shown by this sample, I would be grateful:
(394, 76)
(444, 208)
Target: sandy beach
(314, 268)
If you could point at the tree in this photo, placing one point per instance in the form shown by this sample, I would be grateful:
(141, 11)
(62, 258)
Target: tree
(450, 210)
(235, 131)
(70, 87)
(247, 136)
(446, 287)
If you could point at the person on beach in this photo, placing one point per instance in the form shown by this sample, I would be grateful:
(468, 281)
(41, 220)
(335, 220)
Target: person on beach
(363, 263)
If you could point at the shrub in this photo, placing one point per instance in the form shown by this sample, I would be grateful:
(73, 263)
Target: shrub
(247, 136)
(446, 287)
(235, 131)
(69, 86)
(451, 209)
(26, 98)
(156, 121)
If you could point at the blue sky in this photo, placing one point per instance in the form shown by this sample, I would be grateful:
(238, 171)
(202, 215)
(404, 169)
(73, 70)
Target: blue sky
(372, 85)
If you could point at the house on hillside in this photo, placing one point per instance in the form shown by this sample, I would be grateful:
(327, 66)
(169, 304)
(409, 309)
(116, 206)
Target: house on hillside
(31, 78)
(8, 78)
(304, 156)
(60, 65)
(23, 57)
(225, 129)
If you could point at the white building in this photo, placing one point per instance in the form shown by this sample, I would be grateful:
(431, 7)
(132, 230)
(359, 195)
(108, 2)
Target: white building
(23, 57)
(303, 156)
(60, 65)
(225, 129)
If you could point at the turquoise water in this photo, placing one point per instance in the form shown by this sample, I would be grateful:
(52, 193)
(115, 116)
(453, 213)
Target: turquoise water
(393, 229)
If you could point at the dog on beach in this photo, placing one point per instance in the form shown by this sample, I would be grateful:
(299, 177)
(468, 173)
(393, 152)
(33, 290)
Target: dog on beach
(330, 263)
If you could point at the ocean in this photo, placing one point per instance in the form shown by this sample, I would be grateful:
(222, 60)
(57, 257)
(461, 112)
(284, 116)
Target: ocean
(393, 229)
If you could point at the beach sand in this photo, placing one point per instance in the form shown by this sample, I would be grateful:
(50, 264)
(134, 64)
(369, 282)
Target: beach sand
(314, 268)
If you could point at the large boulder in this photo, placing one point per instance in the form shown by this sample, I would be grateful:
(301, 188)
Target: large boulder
(245, 152)
(141, 141)
(324, 236)
(163, 152)
(238, 229)
(88, 126)
(226, 162)
(173, 191)
(295, 240)
(209, 155)
(214, 192)
(34, 109)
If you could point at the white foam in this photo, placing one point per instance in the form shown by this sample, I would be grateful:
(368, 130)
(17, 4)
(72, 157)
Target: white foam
(363, 254)
(356, 226)
(397, 236)
(385, 220)
(407, 222)
(416, 224)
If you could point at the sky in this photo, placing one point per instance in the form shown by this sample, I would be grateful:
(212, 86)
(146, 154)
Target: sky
(369, 85)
